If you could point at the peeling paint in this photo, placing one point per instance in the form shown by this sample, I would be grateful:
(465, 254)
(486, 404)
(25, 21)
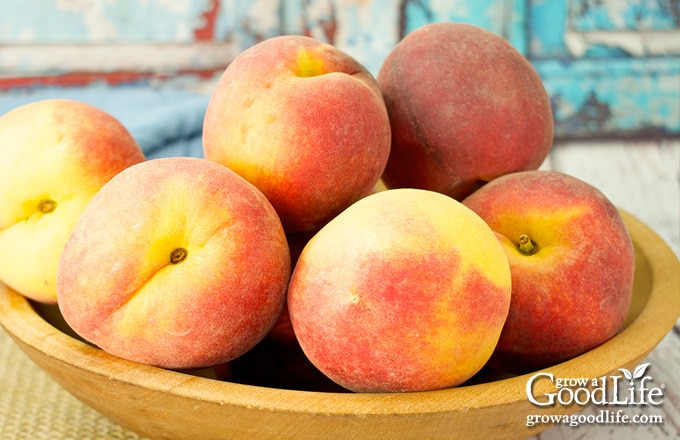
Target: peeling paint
(617, 15)
(247, 23)
(206, 29)
(637, 28)
(622, 97)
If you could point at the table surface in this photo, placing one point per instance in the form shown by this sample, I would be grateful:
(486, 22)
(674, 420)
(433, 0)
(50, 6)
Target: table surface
(640, 176)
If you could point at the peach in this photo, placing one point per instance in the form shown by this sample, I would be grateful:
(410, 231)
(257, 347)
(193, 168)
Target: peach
(302, 121)
(405, 290)
(465, 107)
(572, 265)
(176, 262)
(55, 155)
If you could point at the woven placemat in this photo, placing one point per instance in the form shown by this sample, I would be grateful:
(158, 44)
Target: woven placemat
(35, 407)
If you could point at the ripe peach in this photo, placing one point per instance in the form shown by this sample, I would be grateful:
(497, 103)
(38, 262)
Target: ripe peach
(405, 290)
(304, 122)
(54, 156)
(178, 263)
(572, 265)
(465, 107)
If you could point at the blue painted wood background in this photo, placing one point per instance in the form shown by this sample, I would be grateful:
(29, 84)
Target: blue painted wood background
(611, 67)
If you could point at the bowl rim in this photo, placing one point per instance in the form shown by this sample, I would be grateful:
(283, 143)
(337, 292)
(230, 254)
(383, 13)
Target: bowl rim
(655, 319)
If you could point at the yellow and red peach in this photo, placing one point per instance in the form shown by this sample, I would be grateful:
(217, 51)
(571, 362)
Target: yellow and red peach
(176, 262)
(572, 264)
(465, 107)
(304, 122)
(405, 290)
(56, 154)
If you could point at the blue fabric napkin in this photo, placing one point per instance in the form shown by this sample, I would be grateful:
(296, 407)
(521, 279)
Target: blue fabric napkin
(165, 122)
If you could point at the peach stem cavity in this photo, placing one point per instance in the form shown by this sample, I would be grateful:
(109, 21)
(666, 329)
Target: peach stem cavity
(526, 245)
(178, 255)
(46, 206)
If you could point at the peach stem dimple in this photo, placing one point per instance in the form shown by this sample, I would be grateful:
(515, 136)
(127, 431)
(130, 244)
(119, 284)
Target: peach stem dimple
(308, 64)
(46, 206)
(178, 255)
(526, 245)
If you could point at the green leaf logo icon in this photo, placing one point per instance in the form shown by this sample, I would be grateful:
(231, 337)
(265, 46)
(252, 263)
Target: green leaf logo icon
(637, 373)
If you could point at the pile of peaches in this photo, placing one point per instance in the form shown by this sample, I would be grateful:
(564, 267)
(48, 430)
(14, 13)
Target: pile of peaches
(397, 230)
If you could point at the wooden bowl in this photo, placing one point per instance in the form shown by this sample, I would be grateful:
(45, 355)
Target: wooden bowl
(162, 404)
